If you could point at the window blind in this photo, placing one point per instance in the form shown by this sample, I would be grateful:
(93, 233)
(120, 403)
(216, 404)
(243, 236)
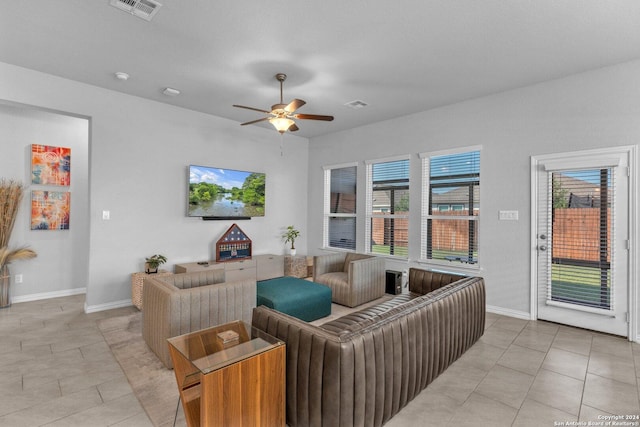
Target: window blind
(581, 217)
(387, 226)
(340, 207)
(450, 207)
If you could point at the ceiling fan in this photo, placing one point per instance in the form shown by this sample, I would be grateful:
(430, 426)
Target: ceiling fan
(281, 115)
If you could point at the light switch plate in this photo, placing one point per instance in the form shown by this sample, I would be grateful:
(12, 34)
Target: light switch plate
(508, 215)
(106, 215)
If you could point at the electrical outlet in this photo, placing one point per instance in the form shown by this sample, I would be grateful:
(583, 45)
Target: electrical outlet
(18, 278)
(106, 215)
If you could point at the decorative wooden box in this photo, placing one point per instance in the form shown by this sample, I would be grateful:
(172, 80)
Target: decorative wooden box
(233, 245)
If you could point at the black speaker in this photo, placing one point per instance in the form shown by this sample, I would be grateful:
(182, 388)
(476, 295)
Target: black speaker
(394, 282)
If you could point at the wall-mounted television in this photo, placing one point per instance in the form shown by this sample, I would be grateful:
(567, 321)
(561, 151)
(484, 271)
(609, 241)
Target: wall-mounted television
(220, 193)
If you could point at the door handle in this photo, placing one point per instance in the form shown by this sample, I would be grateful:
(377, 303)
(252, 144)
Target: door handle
(542, 248)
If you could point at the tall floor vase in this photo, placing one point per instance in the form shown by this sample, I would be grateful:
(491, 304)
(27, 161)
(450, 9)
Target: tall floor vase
(5, 281)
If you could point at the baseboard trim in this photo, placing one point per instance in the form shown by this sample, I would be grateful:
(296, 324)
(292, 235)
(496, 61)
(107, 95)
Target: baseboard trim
(108, 306)
(508, 312)
(47, 295)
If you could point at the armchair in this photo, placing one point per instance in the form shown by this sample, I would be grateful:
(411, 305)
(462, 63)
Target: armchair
(353, 278)
(182, 303)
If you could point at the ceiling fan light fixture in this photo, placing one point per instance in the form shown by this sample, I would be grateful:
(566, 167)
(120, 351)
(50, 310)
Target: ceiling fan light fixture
(282, 124)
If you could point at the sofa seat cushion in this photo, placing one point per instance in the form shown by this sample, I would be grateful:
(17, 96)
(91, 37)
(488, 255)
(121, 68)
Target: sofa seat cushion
(299, 298)
(336, 278)
(361, 319)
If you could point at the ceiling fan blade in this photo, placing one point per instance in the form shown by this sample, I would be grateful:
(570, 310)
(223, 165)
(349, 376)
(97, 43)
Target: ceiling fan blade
(294, 105)
(251, 108)
(293, 128)
(313, 117)
(255, 121)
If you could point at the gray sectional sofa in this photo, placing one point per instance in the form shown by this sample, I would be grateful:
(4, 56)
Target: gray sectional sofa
(361, 369)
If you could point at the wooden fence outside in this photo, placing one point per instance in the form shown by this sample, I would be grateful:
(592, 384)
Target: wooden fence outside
(576, 233)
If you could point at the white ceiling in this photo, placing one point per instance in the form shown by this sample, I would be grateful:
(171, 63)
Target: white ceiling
(400, 57)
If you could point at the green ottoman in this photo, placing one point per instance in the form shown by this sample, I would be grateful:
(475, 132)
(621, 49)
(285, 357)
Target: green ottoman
(296, 297)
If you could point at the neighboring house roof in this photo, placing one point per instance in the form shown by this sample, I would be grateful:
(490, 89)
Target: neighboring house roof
(580, 193)
(457, 196)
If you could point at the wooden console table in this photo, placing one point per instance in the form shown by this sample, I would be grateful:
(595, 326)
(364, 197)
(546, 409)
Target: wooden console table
(237, 383)
(258, 267)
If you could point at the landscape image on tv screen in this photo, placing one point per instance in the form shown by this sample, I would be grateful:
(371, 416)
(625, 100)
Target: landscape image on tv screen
(217, 192)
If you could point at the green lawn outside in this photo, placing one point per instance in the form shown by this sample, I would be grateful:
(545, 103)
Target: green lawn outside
(384, 250)
(442, 254)
(569, 282)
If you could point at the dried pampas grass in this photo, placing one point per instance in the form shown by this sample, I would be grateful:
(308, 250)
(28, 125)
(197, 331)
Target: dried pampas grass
(10, 196)
(7, 256)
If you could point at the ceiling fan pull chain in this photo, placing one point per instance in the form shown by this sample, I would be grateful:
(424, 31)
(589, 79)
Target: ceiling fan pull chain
(281, 142)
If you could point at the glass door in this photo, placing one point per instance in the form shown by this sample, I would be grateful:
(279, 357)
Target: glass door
(581, 238)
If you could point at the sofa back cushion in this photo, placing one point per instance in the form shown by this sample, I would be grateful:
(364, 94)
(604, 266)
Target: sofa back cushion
(351, 256)
(427, 286)
(194, 280)
(424, 281)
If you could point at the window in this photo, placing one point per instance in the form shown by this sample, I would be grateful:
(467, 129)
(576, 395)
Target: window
(387, 226)
(340, 207)
(450, 235)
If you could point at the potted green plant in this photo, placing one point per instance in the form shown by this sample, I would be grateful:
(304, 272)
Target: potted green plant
(10, 196)
(290, 235)
(153, 262)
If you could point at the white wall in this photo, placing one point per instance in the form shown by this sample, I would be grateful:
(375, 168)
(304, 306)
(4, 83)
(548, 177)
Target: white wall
(61, 253)
(138, 154)
(139, 150)
(591, 110)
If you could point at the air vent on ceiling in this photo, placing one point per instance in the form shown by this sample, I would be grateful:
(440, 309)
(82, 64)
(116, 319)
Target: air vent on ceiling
(356, 104)
(145, 9)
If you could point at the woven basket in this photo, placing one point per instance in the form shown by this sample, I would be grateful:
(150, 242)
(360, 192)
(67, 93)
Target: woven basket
(137, 280)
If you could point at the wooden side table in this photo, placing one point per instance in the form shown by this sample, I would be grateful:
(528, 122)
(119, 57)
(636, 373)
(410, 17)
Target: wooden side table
(230, 375)
(137, 280)
(295, 266)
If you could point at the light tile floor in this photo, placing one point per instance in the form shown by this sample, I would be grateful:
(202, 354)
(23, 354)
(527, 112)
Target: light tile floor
(57, 370)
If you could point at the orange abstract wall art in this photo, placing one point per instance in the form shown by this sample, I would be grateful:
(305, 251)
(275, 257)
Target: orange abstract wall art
(50, 165)
(50, 210)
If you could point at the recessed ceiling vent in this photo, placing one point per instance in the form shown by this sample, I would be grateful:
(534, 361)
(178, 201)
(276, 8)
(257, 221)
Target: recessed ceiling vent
(145, 9)
(357, 104)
